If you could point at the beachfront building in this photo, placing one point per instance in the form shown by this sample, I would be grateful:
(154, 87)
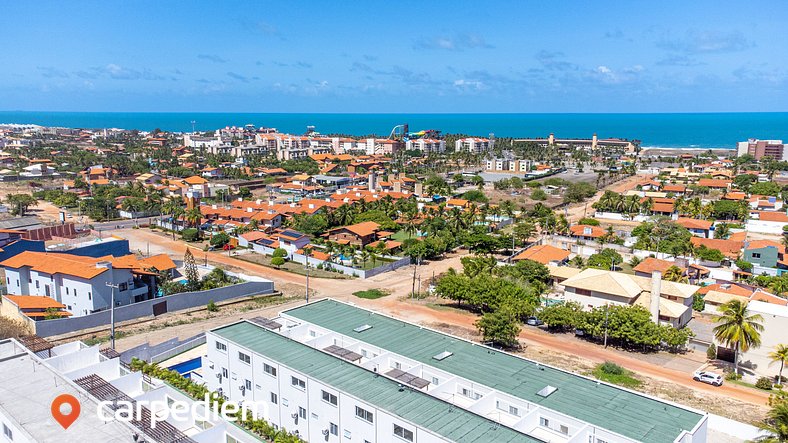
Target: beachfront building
(334, 372)
(763, 148)
(426, 145)
(474, 145)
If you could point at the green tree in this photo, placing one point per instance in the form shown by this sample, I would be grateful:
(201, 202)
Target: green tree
(766, 188)
(219, 240)
(562, 316)
(20, 203)
(499, 328)
(190, 270)
(776, 423)
(780, 354)
(578, 192)
(675, 274)
(606, 259)
(738, 329)
(278, 261)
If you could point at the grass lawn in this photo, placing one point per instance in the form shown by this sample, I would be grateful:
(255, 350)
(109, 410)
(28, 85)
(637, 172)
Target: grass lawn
(616, 375)
(371, 294)
(401, 236)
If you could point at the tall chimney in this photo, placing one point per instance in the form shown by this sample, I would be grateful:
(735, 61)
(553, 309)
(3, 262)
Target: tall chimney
(656, 290)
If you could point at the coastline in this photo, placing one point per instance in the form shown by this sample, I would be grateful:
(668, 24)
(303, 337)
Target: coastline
(672, 152)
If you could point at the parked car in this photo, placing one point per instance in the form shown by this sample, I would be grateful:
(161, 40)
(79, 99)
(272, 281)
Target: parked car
(580, 332)
(228, 247)
(533, 321)
(708, 377)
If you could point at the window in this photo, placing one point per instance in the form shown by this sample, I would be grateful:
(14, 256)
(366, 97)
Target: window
(301, 412)
(333, 428)
(329, 398)
(756, 255)
(564, 429)
(403, 433)
(36, 284)
(298, 383)
(544, 422)
(514, 411)
(8, 281)
(89, 295)
(364, 414)
(231, 439)
(270, 370)
(7, 432)
(244, 358)
(312, 333)
(435, 380)
(274, 398)
(221, 346)
(248, 385)
(396, 365)
(225, 373)
(67, 292)
(123, 286)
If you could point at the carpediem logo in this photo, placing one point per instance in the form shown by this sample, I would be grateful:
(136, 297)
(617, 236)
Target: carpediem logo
(206, 409)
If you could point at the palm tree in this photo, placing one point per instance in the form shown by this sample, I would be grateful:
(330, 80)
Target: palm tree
(776, 424)
(780, 354)
(675, 274)
(193, 216)
(722, 231)
(738, 329)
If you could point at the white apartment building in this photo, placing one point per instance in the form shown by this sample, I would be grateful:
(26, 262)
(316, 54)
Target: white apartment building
(80, 283)
(426, 145)
(343, 145)
(506, 165)
(35, 372)
(199, 141)
(474, 145)
(334, 372)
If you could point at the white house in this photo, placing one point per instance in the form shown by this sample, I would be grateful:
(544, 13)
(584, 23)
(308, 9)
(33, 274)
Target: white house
(80, 283)
(765, 222)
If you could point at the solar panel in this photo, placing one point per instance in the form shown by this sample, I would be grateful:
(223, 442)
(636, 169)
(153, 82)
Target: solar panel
(407, 378)
(345, 354)
(266, 323)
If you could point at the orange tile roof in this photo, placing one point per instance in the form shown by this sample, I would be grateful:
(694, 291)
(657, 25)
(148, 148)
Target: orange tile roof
(713, 183)
(543, 254)
(773, 216)
(162, 262)
(56, 263)
(652, 264)
(731, 289)
(694, 223)
(361, 229)
(195, 180)
(761, 295)
(738, 236)
(663, 207)
(674, 188)
(579, 230)
(34, 302)
(729, 248)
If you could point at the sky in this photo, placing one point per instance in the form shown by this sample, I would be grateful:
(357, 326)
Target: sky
(395, 56)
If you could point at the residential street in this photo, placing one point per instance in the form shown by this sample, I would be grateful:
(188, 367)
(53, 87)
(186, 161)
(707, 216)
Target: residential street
(677, 372)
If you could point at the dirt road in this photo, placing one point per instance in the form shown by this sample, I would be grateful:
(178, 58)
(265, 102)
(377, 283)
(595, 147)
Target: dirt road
(580, 210)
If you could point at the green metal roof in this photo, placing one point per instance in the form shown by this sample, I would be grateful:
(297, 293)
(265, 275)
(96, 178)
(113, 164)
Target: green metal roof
(627, 413)
(416, 407)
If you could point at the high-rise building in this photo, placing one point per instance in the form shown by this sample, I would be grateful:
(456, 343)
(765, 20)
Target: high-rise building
(763, 148)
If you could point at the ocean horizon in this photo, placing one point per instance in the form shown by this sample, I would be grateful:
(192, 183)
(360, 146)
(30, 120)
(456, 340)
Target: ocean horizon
(655, 130)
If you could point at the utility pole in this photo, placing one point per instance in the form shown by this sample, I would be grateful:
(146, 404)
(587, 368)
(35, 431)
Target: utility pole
(306, 265)
(113, 286)
(606, 307)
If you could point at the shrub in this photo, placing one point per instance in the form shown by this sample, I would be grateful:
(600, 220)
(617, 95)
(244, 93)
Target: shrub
(277, 261)
(280, 252)
(764, 383)
(732, 376)
(190, 234)
(370, 294)
(212, 306)
(220, 240)
(538, 195)
(611, 368)
(711, 352)
(699, 304)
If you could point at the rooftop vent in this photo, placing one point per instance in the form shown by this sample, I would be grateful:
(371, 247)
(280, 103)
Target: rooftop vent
(546, 391)
(362, 328)
(442, 355)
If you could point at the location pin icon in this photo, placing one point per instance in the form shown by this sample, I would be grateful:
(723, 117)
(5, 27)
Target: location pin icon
(66, 419)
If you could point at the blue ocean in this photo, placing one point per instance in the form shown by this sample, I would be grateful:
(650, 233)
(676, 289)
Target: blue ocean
(696, 130)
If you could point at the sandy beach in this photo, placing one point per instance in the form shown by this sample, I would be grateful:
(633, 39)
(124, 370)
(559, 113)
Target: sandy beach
(672, 152)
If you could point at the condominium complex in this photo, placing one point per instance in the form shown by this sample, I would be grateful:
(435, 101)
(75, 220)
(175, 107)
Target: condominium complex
(426, 145)
(474, 145)
(763, 148)
(508, 165)
(334, 372)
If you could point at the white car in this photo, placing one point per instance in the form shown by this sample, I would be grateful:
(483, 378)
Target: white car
(708, 377)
